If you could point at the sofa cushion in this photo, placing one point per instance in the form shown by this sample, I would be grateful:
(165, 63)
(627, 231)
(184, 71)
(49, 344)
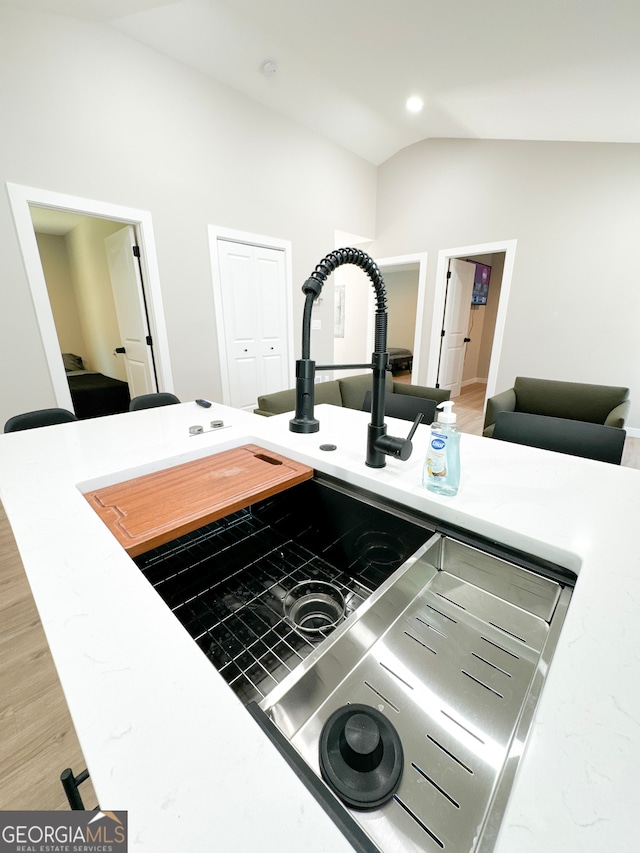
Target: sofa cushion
(285, 401)
(576, 400)
(353, 388)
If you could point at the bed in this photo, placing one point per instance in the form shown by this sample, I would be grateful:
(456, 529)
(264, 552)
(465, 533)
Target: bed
(94, 394)
(400, 359)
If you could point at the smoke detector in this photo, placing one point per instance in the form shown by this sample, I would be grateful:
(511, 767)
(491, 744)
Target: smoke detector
(269, 67)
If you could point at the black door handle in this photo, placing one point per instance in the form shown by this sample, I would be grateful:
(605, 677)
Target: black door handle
(467, 340)
(120, 350)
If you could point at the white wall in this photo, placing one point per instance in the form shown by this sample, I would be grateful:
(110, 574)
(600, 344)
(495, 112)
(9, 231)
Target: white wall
(90, 113)
(352, 348)
(59, 278)
(574, 209)
(402, 299)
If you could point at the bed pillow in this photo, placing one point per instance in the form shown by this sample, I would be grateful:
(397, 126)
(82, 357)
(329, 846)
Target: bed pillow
(72, 362)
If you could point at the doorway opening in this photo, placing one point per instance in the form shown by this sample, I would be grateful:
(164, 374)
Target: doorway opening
(405, 278)
(30, 205)
(466, 338)
(93, 280)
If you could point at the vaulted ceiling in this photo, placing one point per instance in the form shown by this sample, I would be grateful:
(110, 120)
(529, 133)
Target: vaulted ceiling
(500, 69)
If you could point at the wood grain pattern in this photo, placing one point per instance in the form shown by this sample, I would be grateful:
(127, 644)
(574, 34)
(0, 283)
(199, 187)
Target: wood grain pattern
(148, 511)
(37, 737)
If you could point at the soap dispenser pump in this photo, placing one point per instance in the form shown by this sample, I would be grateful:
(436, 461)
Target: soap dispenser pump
(442, 465)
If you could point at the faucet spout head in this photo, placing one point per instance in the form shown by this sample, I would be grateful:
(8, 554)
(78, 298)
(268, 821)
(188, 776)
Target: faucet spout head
(379, 445)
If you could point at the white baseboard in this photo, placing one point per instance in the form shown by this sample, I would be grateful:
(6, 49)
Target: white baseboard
(633, 432)
(475, 381)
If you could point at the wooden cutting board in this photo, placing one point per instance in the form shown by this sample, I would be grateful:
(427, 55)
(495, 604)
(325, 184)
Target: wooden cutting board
(148, 511)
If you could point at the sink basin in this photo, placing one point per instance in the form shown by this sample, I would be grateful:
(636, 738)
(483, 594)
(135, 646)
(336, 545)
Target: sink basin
(323, 597)
(454, 655)
(260, 589)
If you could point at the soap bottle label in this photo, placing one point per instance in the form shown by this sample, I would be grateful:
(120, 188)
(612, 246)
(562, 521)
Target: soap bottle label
(437, 458)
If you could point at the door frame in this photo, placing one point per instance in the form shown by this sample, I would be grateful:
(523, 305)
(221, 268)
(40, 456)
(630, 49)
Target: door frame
(20, 197)
(230, 235)
(419, 258)
(444, 256)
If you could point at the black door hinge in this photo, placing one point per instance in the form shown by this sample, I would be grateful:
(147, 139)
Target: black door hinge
(136, 251)
(448, 274)
(442, 333)
(149, 341)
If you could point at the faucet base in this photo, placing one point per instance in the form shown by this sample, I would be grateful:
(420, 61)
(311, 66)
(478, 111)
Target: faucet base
(304, 425)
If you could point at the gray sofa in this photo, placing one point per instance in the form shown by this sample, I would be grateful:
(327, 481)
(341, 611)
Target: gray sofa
(596, 404)
(348, 392)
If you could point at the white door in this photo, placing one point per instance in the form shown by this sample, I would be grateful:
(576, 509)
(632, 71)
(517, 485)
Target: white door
(455, 325)
(126, 284)
(253, 287)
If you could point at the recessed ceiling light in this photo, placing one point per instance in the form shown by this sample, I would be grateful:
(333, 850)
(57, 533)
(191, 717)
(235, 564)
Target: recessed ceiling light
(415, 104)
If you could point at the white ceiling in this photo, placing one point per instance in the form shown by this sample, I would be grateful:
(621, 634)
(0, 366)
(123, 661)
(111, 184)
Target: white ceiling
(498, 69)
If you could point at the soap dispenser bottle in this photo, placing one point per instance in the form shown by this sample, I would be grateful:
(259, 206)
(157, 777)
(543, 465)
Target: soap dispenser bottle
(442, 465)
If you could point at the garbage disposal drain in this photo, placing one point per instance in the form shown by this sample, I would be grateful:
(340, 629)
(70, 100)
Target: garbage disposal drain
(314, 607)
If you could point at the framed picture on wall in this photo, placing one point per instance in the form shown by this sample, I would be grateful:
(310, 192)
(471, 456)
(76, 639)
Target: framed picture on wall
(481, 284)
(338, 311)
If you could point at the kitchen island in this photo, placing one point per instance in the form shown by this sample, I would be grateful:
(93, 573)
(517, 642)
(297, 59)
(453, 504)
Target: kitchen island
(168, 741)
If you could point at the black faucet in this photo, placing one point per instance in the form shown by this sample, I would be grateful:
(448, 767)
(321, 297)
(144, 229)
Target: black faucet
(379, 444)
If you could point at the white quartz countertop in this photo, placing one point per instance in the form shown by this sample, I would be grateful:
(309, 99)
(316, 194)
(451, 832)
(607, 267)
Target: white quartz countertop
(167, 740)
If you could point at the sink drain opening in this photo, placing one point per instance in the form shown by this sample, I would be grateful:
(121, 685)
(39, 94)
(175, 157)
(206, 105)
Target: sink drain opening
(314, 607)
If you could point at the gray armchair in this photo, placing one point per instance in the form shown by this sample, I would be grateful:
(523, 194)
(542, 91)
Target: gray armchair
(578, 401)
(577, 438)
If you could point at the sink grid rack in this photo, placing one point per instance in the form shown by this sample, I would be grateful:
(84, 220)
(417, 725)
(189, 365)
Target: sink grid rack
(226, 583)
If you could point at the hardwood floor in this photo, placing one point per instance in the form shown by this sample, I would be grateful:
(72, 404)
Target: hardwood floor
(37, 736)
(469, 407)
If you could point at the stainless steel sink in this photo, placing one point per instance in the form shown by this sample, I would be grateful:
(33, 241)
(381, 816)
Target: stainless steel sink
(260, 589)
(454, 653)
(324, 596)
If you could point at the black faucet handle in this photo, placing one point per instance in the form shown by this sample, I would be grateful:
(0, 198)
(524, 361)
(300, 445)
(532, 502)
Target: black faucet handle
(399, 448)
(391, 445)
(416, 424)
